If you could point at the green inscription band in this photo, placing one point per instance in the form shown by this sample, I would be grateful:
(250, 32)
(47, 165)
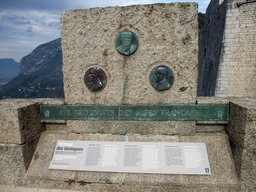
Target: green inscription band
(136, 112)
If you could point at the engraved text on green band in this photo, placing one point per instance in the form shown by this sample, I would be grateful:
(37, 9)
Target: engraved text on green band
(136, 112)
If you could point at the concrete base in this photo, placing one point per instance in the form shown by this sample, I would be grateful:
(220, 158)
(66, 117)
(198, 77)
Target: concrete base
(223, 176)
(14, 162)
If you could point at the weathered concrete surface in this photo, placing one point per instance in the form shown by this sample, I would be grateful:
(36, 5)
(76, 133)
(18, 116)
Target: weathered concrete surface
(56, 127)
(40, 101)
(223, 176)
(167, 35)
(4, 188)
(242, 126)
(210, 128)
(220, 159)
(19, 121)
(242, 133)
(133, 127)
(114, 188)
(20, 129)
(212, 100)
(14, 162)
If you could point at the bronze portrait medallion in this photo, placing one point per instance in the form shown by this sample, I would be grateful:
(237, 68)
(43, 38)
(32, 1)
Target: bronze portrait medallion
(126, 43)
(95, 79)
(161, 78)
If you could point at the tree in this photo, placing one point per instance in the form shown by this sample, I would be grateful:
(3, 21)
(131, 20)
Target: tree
(201, 20)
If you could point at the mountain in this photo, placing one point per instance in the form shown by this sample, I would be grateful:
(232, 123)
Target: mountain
(40, 57)
(40, 74)
(8, 68)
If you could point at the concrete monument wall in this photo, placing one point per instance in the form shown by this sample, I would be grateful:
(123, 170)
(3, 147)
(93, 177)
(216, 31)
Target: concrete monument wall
(167, 35)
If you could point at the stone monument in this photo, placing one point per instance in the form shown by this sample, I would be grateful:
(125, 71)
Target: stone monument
(135, 56)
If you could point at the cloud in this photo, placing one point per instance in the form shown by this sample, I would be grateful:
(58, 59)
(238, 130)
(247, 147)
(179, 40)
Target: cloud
(54, 24)
(84, 4)
(24, 24)
(25, 5)
(40, 22)
(17, 20)
(30, 29)
(1, 28)
(22, 31)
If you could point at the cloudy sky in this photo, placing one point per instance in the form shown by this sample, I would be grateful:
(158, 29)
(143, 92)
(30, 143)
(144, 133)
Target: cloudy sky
(25, 24)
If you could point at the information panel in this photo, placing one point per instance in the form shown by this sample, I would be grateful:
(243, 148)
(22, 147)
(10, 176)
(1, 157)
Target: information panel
(134, 157)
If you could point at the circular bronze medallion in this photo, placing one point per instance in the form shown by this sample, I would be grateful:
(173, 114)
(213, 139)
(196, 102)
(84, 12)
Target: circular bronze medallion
(95, 79)
(161, 78)
(126, 42)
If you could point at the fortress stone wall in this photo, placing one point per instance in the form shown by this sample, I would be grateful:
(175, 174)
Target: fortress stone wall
(227, 57)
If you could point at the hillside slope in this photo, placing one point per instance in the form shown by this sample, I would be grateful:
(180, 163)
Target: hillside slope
(40, 74)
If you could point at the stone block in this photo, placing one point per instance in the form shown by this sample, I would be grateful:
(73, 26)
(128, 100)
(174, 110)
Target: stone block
(40, 101)
(212, 100)
(242, 123)
(248, 171)
(245, 162)
(133, 127)
(56, 127)
(223, 173)
(54, 186)
(144, 179)
(117, 188)
(43, 154)
(38, 171)
(167, 35)
(242, 133)
(103, 137)
(110, 188)
(54, 121)
(19, 121)
(50, 101)
(99, 177)
(44, 151)
(210, 128)
(14, 162)
(223, 176)
(152, 138)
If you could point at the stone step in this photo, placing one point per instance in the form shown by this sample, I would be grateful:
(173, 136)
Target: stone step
(6, 188)
(223, 177)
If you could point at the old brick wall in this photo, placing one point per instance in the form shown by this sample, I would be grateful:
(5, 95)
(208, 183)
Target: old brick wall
(227, 50)
(237, 74)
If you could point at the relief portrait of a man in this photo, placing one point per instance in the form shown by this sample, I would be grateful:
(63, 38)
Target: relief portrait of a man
(95, 79)
(161, 78)
(126, 43)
